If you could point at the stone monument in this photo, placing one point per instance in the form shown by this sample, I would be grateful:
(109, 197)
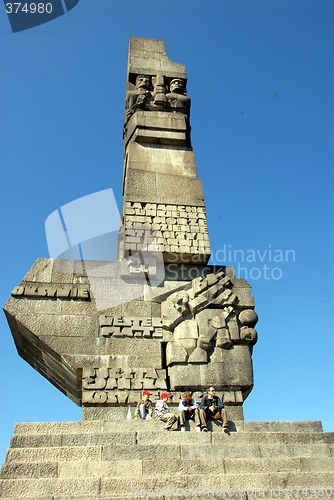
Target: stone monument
(190, 324)
(159, 318)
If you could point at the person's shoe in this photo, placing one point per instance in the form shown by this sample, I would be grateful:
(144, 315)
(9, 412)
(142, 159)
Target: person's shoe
(204, 429)
(225, 429)
(183, 429)
(197, 428)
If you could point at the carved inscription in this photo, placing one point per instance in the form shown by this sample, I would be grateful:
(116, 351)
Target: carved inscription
(52, 291)
(166, 228)
(124, 386)
(124, 326)
(110, 385)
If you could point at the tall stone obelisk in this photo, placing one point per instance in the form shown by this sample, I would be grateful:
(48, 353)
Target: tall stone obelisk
(163, 207)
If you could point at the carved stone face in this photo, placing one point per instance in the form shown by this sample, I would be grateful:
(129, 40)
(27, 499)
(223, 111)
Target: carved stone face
(142, 82)
(176, 86)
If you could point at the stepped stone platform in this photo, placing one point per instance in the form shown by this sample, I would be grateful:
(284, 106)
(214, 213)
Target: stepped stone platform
(114, 459)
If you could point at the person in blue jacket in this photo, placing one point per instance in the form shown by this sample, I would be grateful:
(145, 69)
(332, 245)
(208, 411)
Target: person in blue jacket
(211, 408)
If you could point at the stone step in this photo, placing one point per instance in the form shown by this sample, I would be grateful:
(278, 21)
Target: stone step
(154, 468)
(229, 450)
(240, 438)
(51, 428)
(56, 454)
(166, 485)
(90, 426)
(99, 426)
(279, 493)
(170, 452)
(79, 439)
(153, 437)
(283, 426)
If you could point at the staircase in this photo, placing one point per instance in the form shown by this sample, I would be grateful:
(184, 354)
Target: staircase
(100, 460)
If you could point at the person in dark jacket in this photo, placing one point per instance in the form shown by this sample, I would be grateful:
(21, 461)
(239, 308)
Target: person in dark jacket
(211, 408)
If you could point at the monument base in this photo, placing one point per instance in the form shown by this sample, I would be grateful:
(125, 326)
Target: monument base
(114, 459)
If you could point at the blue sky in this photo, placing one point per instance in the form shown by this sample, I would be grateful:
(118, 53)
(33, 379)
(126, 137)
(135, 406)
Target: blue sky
(260, 75)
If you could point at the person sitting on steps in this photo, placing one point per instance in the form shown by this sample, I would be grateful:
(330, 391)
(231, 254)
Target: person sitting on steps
(162, 412)
(211, 408)
(144, 408)
(188, 409)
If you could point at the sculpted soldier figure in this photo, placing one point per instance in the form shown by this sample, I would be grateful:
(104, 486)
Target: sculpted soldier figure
(177, 97)
(138, 98)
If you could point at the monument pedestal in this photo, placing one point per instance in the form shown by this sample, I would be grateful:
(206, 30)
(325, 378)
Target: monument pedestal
(121, 459)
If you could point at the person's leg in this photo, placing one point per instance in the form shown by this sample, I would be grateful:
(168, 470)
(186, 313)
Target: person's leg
(182, 418)
(172, 421)
(196, 418)
(222, 416)
(142, 411)
(202, 419)
(164, 418)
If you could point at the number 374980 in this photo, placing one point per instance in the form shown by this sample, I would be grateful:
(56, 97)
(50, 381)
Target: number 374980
(28, 8)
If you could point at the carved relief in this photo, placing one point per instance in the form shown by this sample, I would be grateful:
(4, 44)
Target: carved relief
(177, 98)
(204, 321)
(165, 228)
(138, 96)
(139, 266)
(151, 93)
(114, 386)
(109, 385)
(123, 326)
(52, 291)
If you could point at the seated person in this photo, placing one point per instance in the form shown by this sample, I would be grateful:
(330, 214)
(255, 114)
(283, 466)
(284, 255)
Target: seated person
(162, 412)
(212, 408)
(144, 407)
(188, 409)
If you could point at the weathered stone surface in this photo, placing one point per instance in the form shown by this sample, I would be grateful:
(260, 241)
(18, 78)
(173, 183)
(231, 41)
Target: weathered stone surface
(53, 454)
(168, 159)
(30, 470)
(110, 468)
(147, 55)
(34, 428)
(17, 488)
(41, 272)
(60, 326)
(234, 370)
(284, 426)
(36, 441)
(143, 484)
